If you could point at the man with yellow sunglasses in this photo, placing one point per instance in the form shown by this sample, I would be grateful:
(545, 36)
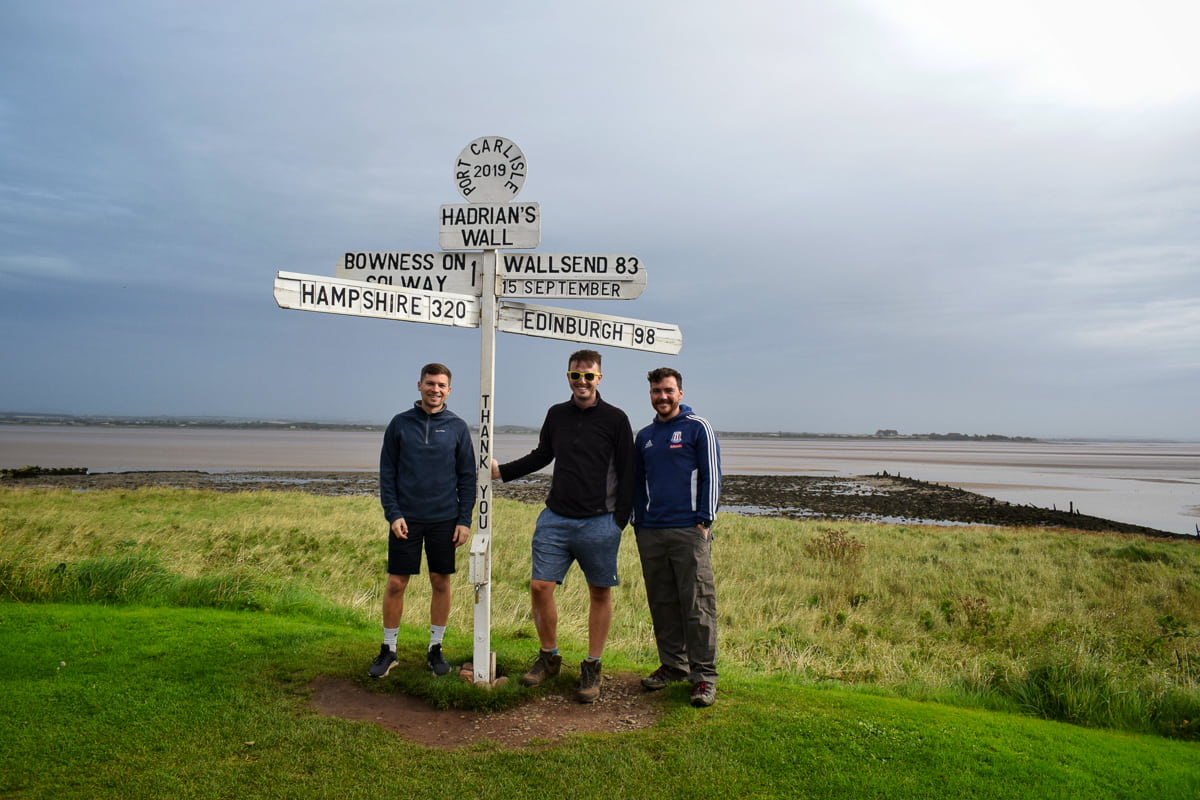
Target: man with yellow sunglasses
(590, 499)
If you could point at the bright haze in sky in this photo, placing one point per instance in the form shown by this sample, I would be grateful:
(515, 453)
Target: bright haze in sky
(921, 215)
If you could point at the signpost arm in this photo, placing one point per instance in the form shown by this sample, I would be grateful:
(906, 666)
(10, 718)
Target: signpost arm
(481, 543)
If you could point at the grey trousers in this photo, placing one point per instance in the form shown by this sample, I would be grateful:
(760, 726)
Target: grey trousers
(677, 569)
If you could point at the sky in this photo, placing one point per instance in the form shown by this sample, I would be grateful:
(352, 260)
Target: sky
(922, 215)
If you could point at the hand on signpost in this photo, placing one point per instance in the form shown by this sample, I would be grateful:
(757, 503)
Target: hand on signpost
(495, 470)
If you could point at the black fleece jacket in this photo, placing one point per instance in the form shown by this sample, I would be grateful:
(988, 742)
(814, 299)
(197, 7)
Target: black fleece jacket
(592, 451)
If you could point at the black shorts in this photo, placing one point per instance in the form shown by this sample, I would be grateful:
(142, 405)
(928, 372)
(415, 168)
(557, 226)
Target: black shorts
(404, 555)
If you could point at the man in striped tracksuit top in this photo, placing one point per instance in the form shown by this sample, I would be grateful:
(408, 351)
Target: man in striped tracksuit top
(677, 487)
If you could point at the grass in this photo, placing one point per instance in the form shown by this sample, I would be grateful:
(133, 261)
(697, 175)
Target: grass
(217, 608)
(121, 702)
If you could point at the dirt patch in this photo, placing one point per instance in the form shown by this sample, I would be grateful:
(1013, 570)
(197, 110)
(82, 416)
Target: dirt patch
(623, 706)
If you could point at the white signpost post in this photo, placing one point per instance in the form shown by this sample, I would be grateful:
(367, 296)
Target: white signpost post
(460, 287)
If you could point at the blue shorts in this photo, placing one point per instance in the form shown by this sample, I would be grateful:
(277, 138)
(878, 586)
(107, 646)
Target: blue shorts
(404, 555)
(592, 541)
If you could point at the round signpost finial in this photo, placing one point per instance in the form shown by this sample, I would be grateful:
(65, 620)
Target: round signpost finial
(490, 169)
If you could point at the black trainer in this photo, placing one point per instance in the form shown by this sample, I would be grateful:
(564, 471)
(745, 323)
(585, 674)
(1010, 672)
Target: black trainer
(661, 677)
(704, 694)
(436, 661)
(383, 662)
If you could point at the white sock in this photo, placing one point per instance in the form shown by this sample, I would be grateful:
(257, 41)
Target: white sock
(436, 634)
(390, 635)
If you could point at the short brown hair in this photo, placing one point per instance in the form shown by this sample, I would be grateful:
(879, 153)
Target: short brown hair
(662, 373)
(435, 368)
(584, 357)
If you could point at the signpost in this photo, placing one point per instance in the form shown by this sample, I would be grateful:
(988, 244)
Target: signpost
(480, 555)
(460, 287)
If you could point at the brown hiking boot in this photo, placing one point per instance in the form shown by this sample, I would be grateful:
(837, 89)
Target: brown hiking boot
(589, 682)
(547, 665)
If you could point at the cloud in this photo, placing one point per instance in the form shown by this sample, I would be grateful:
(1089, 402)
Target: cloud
(874, 215)
(48, 268)
(1098, 53)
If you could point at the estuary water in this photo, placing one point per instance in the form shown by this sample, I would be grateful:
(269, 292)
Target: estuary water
(1156, 484)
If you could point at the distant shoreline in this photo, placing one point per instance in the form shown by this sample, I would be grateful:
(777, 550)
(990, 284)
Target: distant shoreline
(72, 420)
(225, 423)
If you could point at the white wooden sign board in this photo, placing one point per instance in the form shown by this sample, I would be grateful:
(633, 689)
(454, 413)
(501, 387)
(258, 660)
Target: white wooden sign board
(582, 326)
(358, 299)
(457, 273)
(490, 169)
(543, 275)
(490, 226)
(564, 275)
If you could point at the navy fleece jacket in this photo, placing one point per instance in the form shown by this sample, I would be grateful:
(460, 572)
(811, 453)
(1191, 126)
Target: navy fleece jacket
(427, 468)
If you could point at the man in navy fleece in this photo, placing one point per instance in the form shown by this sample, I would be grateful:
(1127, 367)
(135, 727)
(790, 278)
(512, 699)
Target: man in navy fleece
(677, 488)
(427, 484)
